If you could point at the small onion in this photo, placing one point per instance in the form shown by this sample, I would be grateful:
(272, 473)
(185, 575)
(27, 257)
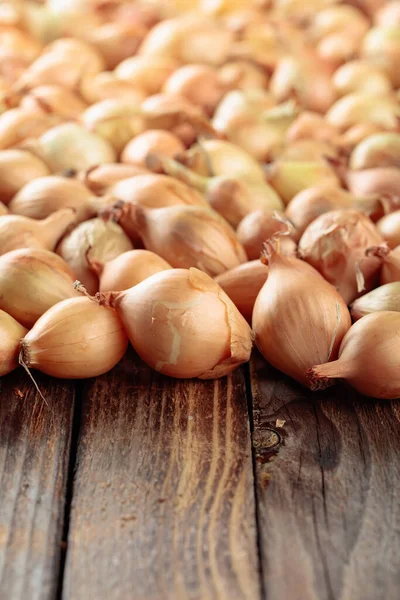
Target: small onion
(259, 226)
(368, 357)
(388, 14)
(244, 75)
(356, 134)
(182, 324)
(75, 339)
(357, 108)
(289, 178)
(335, 244)
(385, 297)
(11, 333)
(379, 150)
(381, 46)
(127, 269)
(309, 125)
(92, 240)
(147, 73)
(31, 281)
(242, 284)
(18, 124)
(389, 228)
(17, 167)
(151, 141)
(361, 76)
(99, 179)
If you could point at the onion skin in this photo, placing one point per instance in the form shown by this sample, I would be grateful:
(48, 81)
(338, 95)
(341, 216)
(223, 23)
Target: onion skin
(389, 228)
(385, 180)
(257, 227)
(368, 358)
(54, 99)
(182, 324)
(18, 124)
(335, 244)
(99, 179)
(31, 281)
(289, 178)
(17, 167)
(75, 339)
(11, 333)
(148, 73)
(242, 284)
(379, 150)
(390, 262)
(298, 317)
(128, 269)
(151, 141)
(385, 297)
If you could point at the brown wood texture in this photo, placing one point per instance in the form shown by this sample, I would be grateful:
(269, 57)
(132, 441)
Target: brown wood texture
(34, 450)
(328, 489)
(163, 504)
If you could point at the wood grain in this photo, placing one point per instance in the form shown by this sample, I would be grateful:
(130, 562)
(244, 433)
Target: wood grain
(163, 504)
(328, 487)
(34, 446)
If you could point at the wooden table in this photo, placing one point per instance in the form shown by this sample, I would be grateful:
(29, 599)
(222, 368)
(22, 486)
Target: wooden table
(135, 486)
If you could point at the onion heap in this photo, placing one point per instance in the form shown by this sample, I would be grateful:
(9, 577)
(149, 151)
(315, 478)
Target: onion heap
(196, 177)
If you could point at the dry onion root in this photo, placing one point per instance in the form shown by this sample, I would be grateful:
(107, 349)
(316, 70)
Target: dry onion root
(182, 324)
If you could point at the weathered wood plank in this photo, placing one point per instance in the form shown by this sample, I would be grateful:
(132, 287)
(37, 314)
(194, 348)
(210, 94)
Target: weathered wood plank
(34, 452)
(163, 501)
(328, 488)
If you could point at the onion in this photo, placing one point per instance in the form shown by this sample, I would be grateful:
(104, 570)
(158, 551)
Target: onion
(193, 328)
(390, 260)
(388, 14)
(307, 151)
(95, 240)
(19, 44)
(289, 178)
(309, 125)
(151, 141)
(17, 167)
(335, 244)
(359, 76)
(357, 108)
(381, 46)
(242, 284)
(298, 319)
(127, 269)
(3, 209)
(106, 86)
(147, 73)
(11, 333)
(70, 146)
(368, 357)
(200, 84)
(18, 124)
(75, 339)
(243, 75)
(42, 196)
(356, 134)
(116, 41)
(385, 297)
(259, 226)
(54, 99)
(23, 232)
(309, 204)
(31, 281)
(337, 19)
(190, 236)
(379, 150)
(99, 179)
(389, 228)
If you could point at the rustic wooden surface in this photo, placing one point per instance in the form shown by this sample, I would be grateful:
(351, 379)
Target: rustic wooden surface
(163, 503)
(34, 453)
(160, 494)
(328, 489)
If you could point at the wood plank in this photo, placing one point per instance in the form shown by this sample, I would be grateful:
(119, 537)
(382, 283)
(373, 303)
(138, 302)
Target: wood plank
(328, 487)
(163, 497)
(34, 454)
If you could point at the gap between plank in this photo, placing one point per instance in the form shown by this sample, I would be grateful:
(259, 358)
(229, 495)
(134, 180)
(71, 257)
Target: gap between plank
(69, 492)
(249, 396)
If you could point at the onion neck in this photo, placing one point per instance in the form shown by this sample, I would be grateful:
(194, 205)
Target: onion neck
(175, 169)
(319, 376)
(55, 226)
(99, 203)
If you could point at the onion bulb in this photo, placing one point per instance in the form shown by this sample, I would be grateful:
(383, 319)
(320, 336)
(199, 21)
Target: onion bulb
(389, 228)
(18, 124)
(382, 181)
(75, 339)
(388, 14)
(311, 126)
(147, 73)
(243, 75)
(151, 141)
(385, 297)
(259, 226)
(70, 146)
(243, 284)
(95, 239)
(107, 86)
(17, 167)
(127, 269)
(289, 177)
(335, 244)
(357, 108)
(42, 196)
(309, 204)
(381, 46)
(379, 150)
(390, 260)
(55, 100)
(11, 333)
(100, 179)
(361, 76)
(298, 318)
(368, 357)
(190, 236)
(31, 281)
(182, 324)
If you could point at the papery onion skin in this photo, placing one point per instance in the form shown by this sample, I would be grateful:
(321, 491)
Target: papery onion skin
(11, 332)
(390, 262)
(298, 316)
(389, 228)
(243, 284)
(335, 244)
(182, 324)
(190, 236)
(75, 339)
(129, 269)
(384, 297)
(368, 357)
(17, 167)
(257, 227)
(151, 141)
(31, 281)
